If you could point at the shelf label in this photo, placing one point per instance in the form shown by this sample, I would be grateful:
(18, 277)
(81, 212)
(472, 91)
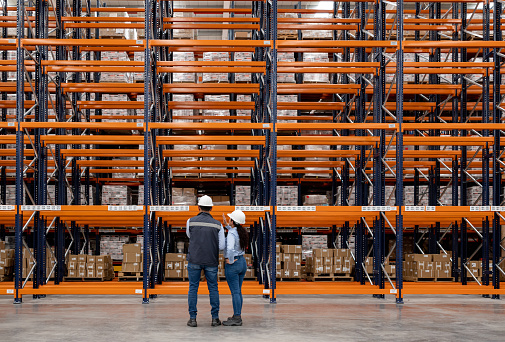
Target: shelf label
(393, 291)
(414, 208)
(481, 208)
(392, 125)
(40, 207)
(266, 291)
(266, 125)
(140, 124)
(295, 208)
(102, 230)
(169, 208)
(266, 42)
(431, 208)
(394, 43)
(252, 208)
(10, 124)
(140, 42)
(124, 207)
(485, 208)
(6, 207)
(474, 208)
(378, 208)
(497, 208)
(12, 41)
(10, 291)
(138, 291)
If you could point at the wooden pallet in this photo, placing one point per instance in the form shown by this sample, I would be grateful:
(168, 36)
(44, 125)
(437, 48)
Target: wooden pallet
(315, 82)
(289, 279)
(329, 277)
(287, 36)
(316, 38)
(129, 276)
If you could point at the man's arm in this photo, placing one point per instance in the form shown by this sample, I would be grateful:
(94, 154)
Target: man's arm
(222, 240)
(187, 228)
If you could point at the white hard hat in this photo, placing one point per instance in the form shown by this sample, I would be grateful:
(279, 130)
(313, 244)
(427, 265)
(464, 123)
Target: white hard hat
(237, 216)
(205, 201)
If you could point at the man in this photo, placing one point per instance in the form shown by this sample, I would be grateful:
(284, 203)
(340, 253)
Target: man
(206, 238)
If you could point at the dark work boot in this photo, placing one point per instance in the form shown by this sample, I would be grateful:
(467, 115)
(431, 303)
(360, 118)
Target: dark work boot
(216, 322)
(192, 323)
(233, 321)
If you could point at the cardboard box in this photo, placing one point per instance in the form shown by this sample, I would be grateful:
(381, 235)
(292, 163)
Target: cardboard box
(248, 258)
(132, 257)
(74, 258)
(90, 273)
(278, 265)
(72, 265)
(81, 265)
(327, 261)
(443, 273)
(82, 258)
(426, 273)
(286, 273)
(337, 269)
(475, 264)
(7, 262)
(169, 265)
(287, 257)
(338, 261)
(81, 273)
(72, 273)
(174, 273)
(132, 248)
(2, 244)
(292, 265)
(297, 257)
(278, 273)
(295, 273)
(91, 259)
(342, 253)
(6, 254)
(90, 266)
(175, 257)
(322, 252)
(441, 258)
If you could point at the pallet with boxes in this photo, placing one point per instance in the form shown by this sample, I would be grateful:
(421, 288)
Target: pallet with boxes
(429, 267)
(84, 267)
(288, 262)
(131, 268)
(330, 265)
(6, 263)
(388, 267)
(176, 266)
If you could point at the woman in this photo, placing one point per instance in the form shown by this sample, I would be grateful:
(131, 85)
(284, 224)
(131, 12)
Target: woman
(235, 264)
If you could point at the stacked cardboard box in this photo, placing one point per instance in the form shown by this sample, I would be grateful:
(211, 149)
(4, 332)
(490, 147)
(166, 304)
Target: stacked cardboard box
(242, 195)
(176, 266)
(243, 57)
(215, 77)
(287, 34)
(90, 266)
(221, 200)
(113, 245)
(290, 258)
(436, 266)
(132, 258)
(183, 112)
(6, 262)
(285, 57)
(244, 112)
(329, 262)
(311, 242)
(116, 195)
(27, 263)
(287, 112)
(390, 268)
(317, 34)
(250, 273)
(220, 113)
(287, 195)
(316, 78)
(318, 200)
(183, 33)
(184, 77)
(184, 196)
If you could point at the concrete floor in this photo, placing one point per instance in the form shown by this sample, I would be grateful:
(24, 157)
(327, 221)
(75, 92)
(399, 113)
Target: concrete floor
(294, 318)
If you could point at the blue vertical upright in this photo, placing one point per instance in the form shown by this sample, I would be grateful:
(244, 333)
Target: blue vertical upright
(18, 268)
(399, 152)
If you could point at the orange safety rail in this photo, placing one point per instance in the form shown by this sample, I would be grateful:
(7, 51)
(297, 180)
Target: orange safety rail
(102, 153)
(210, 140)
(92, 139)
(211, 153)
(327, 140)
(211, 88)
(211, 126)
(84, 125)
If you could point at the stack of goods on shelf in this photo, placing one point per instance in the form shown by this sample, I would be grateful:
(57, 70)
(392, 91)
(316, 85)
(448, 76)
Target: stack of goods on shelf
(283, 148)
(216, 112)
(390, 268)
(185, 148)
(221, 200)
(214, 147)
(131, 267)
(243, 57)
(183, 196)
(408, 194)
(290, 257)
(6, 262)
(139, 56)
(317, 200)
(286, 77)
(114, 115)
(242, 35)
(215, 77)
(176, 266)
(242, 195)
(316, 78)
(329, 264)
(50, 262)
(286, 112)
(311, 242)
(430, 266)
(28, 262)
(90, 266)
(287, 195)
(184, 77)
(250, 273)
(182, 112)
(51, 194)
(474, 195)
(183, 33)
(115, 77)
(317, 34)
(140, 240)
(116, 195)
(317, 148)
(113, 245)
(140, 112)
(244, 112)
(116, 33)
(287, 34)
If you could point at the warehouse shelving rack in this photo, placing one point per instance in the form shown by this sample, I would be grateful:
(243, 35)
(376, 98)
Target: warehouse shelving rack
(370, 48)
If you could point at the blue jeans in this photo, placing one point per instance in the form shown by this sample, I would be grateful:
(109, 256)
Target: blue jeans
(194, 273)
(235, 274)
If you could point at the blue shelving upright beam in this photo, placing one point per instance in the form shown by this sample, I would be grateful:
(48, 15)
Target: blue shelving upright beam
(20, 95)
(399, 152)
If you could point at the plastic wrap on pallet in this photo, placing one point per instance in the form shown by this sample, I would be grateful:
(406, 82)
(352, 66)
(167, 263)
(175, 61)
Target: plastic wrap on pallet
(317, 34)
(215, 77)
(287, 195)
(316, 57)
(287, 34)
(243, 57)
(243, 195)
(182, 112)
(285, 57)
(214, 147)
(317, 148)
(185, 148)
(318, 200)
(287, 112)
(183, 33)
(116, 195)
(113, 115)
(244, 112)
(187, 77)
(216, 112)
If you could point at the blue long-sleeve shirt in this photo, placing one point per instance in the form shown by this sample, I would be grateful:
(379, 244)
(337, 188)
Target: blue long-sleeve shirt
(232, 245)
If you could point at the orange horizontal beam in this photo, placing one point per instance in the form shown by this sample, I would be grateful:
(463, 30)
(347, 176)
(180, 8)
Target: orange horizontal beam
(210, 140)
(102, 153)
(211, 153)
(216, 26)
(327, 140)
(211, 163)
(211, 43)
(209, 126)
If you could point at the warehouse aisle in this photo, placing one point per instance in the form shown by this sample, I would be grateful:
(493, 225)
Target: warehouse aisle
(321, 318)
